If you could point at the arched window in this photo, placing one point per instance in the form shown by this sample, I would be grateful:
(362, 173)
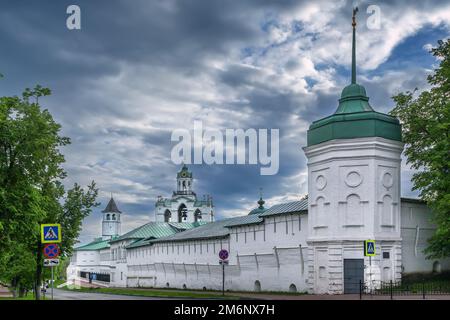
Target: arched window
(114, 216)
(182, 213)
(197, 215)
(257, 286)
(167, 215)
(292, 288)
(108, 216)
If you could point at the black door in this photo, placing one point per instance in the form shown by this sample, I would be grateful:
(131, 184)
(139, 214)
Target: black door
(353, 274)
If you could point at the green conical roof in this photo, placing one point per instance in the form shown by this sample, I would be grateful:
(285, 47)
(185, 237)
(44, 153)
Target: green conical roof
(354, 117)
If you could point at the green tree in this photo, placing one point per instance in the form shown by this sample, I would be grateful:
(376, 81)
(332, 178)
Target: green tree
(31, 189)
(425, 121)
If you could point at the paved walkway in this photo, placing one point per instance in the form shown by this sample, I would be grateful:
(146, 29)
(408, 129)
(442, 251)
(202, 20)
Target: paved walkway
(59, 294)
(4, 292)
(338, 297)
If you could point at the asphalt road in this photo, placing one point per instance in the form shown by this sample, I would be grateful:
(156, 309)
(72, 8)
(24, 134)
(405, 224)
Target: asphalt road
(59, 294)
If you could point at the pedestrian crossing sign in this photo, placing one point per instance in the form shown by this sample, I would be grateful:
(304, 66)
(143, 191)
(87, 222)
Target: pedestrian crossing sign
(51, 233)
(369, 248)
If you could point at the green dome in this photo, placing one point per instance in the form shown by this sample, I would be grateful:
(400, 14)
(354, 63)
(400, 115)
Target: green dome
(184, 172)
(353, 90)
(260, 209)
(353, 99)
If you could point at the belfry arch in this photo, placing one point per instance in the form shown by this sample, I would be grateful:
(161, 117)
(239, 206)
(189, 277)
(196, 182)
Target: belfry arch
(182, 212)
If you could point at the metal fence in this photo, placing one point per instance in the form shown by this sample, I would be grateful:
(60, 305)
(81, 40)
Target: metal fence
(393, 289)
(95, 276)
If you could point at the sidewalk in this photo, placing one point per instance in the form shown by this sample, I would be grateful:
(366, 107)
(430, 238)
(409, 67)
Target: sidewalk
(5, 293)
(338, 297)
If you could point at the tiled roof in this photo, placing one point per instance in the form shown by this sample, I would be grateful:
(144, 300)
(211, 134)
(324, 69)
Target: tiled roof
(295, 206)
(97, 244)
(208, 230)
(412, 200)
(111, 207)
(217, 229)
(245, 220)
(157, 230)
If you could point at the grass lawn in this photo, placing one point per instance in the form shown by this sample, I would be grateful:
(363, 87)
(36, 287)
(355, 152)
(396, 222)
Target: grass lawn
(29, 296)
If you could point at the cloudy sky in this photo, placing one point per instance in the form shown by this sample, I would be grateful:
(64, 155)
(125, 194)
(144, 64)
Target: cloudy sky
(139, 69)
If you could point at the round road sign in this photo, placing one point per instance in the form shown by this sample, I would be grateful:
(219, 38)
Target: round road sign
(51, 250)
(223, 254)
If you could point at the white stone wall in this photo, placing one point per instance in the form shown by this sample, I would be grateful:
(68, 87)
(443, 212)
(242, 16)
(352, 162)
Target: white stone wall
(272, 254)
(416, 229)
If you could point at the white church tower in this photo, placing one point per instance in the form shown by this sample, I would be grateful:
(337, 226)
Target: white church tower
(111, 220)
(184, 205)
(354, 159)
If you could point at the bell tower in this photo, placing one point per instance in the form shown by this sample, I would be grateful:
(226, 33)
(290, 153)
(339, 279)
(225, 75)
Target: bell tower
(184, 181)
(354, 161)
(111, 220)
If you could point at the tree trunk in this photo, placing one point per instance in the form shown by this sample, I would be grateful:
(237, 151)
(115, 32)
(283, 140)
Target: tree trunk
(22, 291)
(14, 287)
(38, 276)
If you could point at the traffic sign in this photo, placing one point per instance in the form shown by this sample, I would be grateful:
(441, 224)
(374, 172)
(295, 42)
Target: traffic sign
(51, 250)
(223, 254)
(51, 233)
(225, 262)
(51, 262)
(369, 248)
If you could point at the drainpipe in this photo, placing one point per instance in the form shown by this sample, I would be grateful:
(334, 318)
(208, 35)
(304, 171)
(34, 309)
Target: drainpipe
(416, 241)
(301, 259)
(276, 256)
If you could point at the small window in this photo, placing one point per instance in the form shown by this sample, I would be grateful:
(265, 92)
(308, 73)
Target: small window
(386, 255)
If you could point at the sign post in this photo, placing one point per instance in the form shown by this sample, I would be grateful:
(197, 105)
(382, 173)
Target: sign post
(223, 255)
(369, 251)
(50, 236)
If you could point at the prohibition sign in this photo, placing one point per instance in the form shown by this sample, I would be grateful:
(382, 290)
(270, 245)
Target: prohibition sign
(51, 251)
(223, 254)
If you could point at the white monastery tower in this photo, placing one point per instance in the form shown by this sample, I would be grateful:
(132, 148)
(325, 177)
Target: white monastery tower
(111, 220)
(354, 159)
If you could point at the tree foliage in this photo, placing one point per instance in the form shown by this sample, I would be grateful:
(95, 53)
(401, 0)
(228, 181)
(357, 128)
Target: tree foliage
(31, 189)
(425, 122)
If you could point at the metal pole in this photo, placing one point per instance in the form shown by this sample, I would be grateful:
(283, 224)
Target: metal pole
(52, 281)
(391, 288)
(360, 290)
(423, 289)
(223, 278)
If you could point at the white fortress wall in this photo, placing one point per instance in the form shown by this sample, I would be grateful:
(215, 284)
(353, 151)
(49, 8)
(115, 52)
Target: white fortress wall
(416, 229)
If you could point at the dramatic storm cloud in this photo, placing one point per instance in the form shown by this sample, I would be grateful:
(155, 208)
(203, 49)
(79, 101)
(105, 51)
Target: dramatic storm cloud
(138, 69)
